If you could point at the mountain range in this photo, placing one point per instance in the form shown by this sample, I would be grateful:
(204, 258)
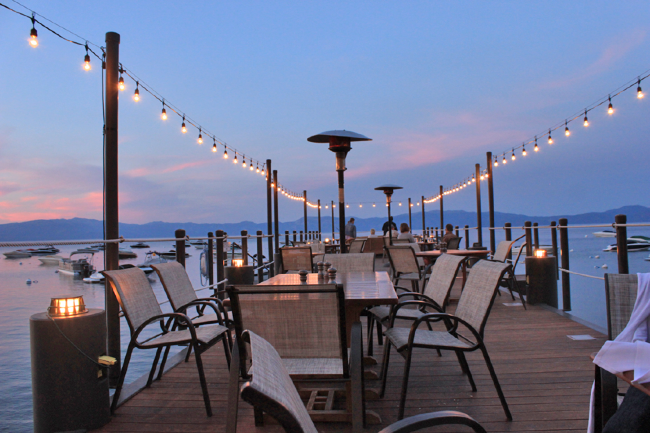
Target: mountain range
(83, 228)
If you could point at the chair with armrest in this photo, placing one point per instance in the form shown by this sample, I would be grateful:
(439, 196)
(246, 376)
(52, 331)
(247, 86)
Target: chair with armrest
(374, 245)
(352, 262)
(296, 259)
(356, 246)
(454, 243)
(405, 266)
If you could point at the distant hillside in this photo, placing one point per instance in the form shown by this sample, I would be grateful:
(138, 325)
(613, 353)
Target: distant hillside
(83, 228)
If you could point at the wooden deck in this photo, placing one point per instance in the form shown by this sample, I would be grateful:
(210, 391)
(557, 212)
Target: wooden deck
(546, 378)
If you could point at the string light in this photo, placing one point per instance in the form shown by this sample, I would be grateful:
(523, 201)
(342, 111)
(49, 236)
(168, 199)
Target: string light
(536, 149)
(258, 168)
(374, 205)
(496, 162)
(225, 152)
(586, 121)
(214, 145)
(566, 128)
(120, 82)
(504, 159)
(235, 160)
(482, 176)
(513, 154)
(87, 59)
(200, 139)
(610, 109)
(163, 114)
(243, 164)
(550, 139)
(360, 205)
(136, 94)
(473, 179)
(33, 34)
(523, 150)
(262, 172)
(183, 128)
(251, 168)
(639, 92)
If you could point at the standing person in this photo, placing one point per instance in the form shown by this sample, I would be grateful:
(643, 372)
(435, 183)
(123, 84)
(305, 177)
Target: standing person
(350, 231)
(387, 226)
(449, 233)
(405, 233)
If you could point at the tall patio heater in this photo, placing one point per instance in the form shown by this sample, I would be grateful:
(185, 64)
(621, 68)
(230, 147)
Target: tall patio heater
(388, 190)
(339, 142)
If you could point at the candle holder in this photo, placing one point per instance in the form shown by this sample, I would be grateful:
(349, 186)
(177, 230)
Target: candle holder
(238, 274)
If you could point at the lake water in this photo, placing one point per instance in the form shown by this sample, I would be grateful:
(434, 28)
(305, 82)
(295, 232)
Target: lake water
(20, 301)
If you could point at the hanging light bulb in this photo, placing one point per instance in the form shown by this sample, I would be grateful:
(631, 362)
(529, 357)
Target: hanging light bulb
(251, 168)
(400, 203)
(120, 82)
(214, 145)
(373, 205)
(163, 114)
(566, 128)
(87, 60)
(505, 161)
(513, 157)
(347, 205)
(136, 94)
(200, 139)
(496, 162)
(486, 174)
(333, 206)
(610, 109)
(586, 121)
(523, 149)
(235, 160)
(536, 149)
(225, 152)
(183, 128)
(482, 177)
(473, 179)
(639, 92)
(257, 168)
(550, 139)
(262, 172)
(243, 164)
(360, 205)
(33, 34)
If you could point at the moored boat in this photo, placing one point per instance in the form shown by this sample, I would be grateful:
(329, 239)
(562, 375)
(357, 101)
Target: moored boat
(50, 260)
(82, 266)
(605, 234)
(126, 254)
(634, 243)
(140, 245)
(17, 255)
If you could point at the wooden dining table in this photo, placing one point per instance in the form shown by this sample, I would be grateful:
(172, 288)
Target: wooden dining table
(430, 256)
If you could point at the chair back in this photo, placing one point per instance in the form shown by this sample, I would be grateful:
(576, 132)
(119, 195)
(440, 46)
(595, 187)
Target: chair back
(374, 245)
(296, 258)
(356, 246)
(478, 294)
(361, 262)
(135, 295)
(271, 388)
(503, 248)
(400, 241)
(301, 322)
(620, 292)
(403, 260)
(454, 243)
(176, 283)
(443, 276)
(317, 247)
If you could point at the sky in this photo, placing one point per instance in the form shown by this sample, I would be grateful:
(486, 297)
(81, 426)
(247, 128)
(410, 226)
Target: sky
(435, 84)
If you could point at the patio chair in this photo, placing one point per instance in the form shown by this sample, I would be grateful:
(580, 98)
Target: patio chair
(405, 266)
(620, 295)
(509, 280)
(270, 390)
(296, 259)
(361, 262)
(443, 275)
(141, 308)
(356, 246)
(454, 243)
(472, 312)
(374, 245)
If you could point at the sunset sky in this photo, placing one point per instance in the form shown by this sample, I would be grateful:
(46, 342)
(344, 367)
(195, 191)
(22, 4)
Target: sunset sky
(435, 85)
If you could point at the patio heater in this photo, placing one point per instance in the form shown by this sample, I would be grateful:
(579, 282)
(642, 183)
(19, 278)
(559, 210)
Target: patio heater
(388, 190)
(339, 142)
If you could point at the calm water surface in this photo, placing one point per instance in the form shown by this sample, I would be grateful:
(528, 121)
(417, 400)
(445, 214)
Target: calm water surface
(20, 300)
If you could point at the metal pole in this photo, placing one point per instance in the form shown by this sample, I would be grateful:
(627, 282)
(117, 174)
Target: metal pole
(479, 222)
(410, 223)
(333, 237)
(564, 251)
(466, 236)
(341, 208)
(269, 213)
(111, 214)
(244, 247)
(220, 260)
(320, 231)
(180, 246)
(260, 256)
(621, 244)
(491, 201)
(305, 210)
(554, 244)
(423, 217)
(442, 217)
(529, 239)
(209, 260)
(276, 220)
(390, 229)
(508, 230)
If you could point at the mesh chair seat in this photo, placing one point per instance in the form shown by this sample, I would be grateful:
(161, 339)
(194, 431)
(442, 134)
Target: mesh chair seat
(399, 337)
(209, 319)
(382, 313)
(411, 276)
(204, 335)
(312, 368)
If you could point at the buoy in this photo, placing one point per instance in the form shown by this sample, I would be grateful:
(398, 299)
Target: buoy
(590, 257)
(597, 257)
(586, 236)
(570, 251)
(56, 272)
(20, 263)
(28, 281)
(595, 267)
(605, 267)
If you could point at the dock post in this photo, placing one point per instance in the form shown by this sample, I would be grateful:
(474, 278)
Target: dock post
(457, 232)
(564, 251)
(301, 238)
(260, 256)
(529, 238)
(180, 246)
(508, 231)
(410, 222)
(621, 244)
(554, 247)
(220, 260)
(286, 238)
(269, 213)
(295, 238)
(320, 230)
(276, 220)
(304, 198)
(442, 218)
(111, 203)
(423, 217)
(332, 208)
(479, 222)
(437, 233)
(466, 236)
(536, 235)
(209, 260)
(244, 247)
(491, 200)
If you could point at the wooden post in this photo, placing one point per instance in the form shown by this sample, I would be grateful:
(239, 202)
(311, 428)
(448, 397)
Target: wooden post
(457, 232)
(209, 260)
(437, 237)
(111, 207)
(529, 239)
(332, 208)
(269, 213)
(410, 222)
(260, 256)
(301, 238)
(423, 216)
(621, 244)
(244, 247)
(442, 219)
(295, 238)
(320, 230)
(220, 259)
(180, 246)
(564, 251)
(286, 238)
(276, 219)
(466, 236)
(491, 201)
(508, 231)
(554, 245)
(536, 235)
(305, 209)
(479, 222)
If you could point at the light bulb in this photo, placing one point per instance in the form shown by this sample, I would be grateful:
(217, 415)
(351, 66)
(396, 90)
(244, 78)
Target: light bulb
(262, 172)
(639, 92)
(33, 37)
(496, 162)
(586, 121)
(400, 203)
(163, 115)
(523, 151)
(183, 128)
(360, 205)
(550, 139)
(87, 62)
(482, 177)
(373, 205)
(258, 169)
(225, 153)
(136, 95)
(610, 109)
(504, 159)
(251, 167)
(235, 160)
(214, 147)
(120, 83)
(243, 164)
(566, 129)
(513, 155)
(347, 205)
(536, 149)
(486, 175)
(333, 206)
(200, 139)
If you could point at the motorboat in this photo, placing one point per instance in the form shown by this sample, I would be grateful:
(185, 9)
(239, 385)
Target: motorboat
(547, 248)
(100, 247)
(140, 245)
(97, 277)
(88, 250)
(154, 258)
(126, 254)
(82, 266)
(43, 251)
(198, 243)
(605, 234)
(50, 260)
(634, 243)
(171, 254)
(200, 246)
(17, 255)
(187, 245)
